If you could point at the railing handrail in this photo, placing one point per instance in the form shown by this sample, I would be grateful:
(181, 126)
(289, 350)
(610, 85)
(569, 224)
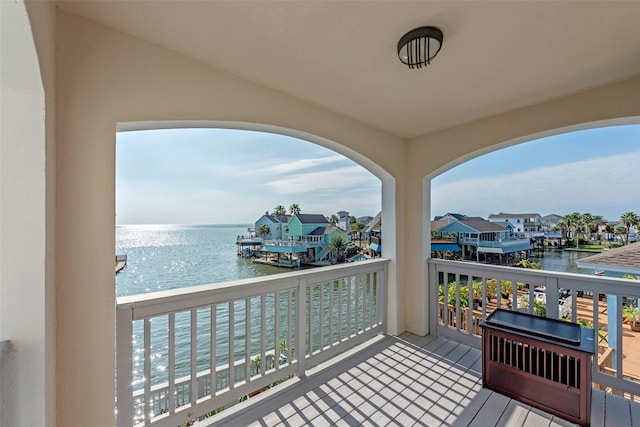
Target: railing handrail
(615, 285)
(162, 302)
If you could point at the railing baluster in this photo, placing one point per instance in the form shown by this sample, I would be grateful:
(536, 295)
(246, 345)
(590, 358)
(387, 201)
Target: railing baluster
(458, 317)
(332, 316)
(470, 305)
(212, 361)
(172, 362)
(364, 303)
(348, 283)
(369, 294)
(232, 358)
(247, 340)
(193, 387)
(309, 296)
(263, 334)
(321, 317)
(356, 319)
(147, 370)
(276, 331)
(290, 328)
(340, 308)
(484, 297)
(301, 316)
(372, 305)
(619, 349)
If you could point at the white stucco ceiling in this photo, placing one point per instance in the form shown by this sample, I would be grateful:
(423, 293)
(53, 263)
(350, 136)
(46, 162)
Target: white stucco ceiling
(341, 55)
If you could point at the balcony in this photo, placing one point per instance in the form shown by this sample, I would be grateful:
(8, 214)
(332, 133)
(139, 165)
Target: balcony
(347, 372)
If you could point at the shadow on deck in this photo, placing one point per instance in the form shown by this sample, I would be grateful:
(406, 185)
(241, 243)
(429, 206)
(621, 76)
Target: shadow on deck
(405, 381)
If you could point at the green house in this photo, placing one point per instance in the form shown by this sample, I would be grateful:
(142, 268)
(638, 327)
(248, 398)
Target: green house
(301, 227)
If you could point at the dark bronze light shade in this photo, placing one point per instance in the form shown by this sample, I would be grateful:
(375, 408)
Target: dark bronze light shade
(418, 47)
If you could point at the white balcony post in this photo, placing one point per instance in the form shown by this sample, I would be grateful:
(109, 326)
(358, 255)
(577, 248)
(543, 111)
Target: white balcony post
(124, 366)
(301, 315)
(551, 286)
(615, 338)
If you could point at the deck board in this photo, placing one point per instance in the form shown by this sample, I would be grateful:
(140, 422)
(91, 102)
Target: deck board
(405, 381)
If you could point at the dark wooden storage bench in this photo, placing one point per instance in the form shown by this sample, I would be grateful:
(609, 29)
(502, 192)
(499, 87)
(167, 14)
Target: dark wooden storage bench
(543, 362)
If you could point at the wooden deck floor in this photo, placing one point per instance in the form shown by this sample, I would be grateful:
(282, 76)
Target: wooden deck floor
(405, 381)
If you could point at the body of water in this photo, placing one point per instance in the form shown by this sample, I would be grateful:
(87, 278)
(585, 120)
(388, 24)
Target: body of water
(161, 257)
(555, 260)
(166, 257)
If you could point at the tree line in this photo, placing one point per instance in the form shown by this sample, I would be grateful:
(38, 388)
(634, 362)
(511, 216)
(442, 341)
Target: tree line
(586, 224)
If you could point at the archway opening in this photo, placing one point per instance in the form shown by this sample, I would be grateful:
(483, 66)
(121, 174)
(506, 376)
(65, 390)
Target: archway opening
(210, 187)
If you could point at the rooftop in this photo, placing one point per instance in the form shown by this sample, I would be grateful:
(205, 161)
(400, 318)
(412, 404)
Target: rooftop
(625, 259)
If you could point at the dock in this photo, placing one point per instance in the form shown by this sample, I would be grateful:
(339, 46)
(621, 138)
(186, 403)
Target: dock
(121, 262)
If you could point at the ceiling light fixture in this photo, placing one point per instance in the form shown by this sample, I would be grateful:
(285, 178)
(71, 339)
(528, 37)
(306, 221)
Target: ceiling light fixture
(418, 47)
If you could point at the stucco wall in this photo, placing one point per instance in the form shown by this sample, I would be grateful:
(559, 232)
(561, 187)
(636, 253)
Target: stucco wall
(105, 78)
(27, 393)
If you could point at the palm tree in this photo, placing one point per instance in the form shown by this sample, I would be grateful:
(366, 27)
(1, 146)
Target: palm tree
(587, 221)
(294, 209)
(629, 219)
(357, 228)
(333, 219)
(562, 228)
(264, 230)
(279, 211)
(572, 222)
(337, 244)
(598, 220)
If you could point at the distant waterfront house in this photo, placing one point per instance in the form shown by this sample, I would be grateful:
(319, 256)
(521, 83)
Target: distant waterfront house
(307, 236)
(450, 217)
(331, 231)
(479, 236)
(528, 223)
(343, 221)
(372, 232)
(375, 242)
(364, 219)
(277, 225)
(607, 229)
(549, 222)
(301, 226)
(442, 244)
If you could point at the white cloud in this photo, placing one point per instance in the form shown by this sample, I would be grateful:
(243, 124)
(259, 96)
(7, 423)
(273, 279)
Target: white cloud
(336, 179)
(303, 164)
(578, 186)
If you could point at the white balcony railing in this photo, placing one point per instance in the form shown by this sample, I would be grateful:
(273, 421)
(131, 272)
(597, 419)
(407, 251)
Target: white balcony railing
(591, 300)
(185, 353)
(504, 243)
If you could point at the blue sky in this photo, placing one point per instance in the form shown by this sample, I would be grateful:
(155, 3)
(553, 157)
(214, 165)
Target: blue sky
(595, 171)
(217, 176)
